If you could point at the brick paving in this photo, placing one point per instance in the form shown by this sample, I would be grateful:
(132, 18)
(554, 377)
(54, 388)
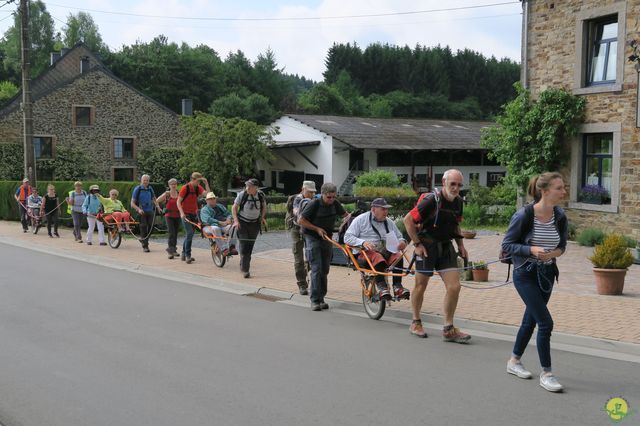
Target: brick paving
(575, 306)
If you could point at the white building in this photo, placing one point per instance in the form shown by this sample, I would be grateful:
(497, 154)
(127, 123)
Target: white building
(337, 149)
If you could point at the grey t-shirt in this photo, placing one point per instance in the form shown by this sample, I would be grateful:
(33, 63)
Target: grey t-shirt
(78, 200)
(251, 210)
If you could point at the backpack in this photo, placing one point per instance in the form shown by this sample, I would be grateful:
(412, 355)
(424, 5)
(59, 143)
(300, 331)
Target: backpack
(288, 218)
(360, 209)
(436, 194)
(261, 200)
(524, 230)
(136, 193)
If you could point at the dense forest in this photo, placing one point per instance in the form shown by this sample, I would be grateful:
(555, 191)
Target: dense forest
(380, 80)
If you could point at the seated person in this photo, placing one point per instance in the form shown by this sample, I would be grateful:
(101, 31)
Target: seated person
(370, 231)
(114, 209)
(218, 221)
(34, 204)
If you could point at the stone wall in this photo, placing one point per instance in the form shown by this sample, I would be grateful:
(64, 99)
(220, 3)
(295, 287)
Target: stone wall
(120, 111)
(552, 60)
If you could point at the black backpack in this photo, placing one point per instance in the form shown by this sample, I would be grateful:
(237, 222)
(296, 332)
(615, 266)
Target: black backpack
(361, 207)
(261, 200)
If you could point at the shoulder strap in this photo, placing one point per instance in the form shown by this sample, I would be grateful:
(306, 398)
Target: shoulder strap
(527, 224)
(386, 226)
(243, 200)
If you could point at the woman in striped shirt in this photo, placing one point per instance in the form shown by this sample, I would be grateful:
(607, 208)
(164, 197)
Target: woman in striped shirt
(537, 235)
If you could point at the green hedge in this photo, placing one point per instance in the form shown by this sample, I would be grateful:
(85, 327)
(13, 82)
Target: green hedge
(9, 207)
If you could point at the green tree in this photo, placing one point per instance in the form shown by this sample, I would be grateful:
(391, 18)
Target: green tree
(81, 27)
(255, 108)
(161, 163)
(268, 80)
(221, 148)
(7, 91)
(530, 134)
(41, 31)
(323, 99)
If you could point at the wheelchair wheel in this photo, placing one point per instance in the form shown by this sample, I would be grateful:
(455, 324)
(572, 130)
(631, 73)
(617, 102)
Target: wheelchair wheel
(373, 306)
(216, 254)
(113, 237)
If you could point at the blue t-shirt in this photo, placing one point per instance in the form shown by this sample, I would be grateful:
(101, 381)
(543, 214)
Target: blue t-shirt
(143, 197)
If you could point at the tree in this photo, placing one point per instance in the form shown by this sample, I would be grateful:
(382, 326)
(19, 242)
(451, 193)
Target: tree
(323, 99)
(529, 136)
(41, 32)
(7, 91)
(268, 80)
(221, 148)
(81, 27)
(161, 163)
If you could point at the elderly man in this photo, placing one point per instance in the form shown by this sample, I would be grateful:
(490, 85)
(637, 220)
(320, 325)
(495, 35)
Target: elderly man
(318, 220)
(295, 205)
(249, 212)
(439, 214)
(143, 200)
(22, 193)
(218, 221)
(382, 243)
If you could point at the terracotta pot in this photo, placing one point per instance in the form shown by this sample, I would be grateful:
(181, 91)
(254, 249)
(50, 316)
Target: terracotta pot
(481, 275)
(609, 281)
(469, 234)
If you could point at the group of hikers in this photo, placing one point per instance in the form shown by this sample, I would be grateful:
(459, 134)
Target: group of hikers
(536, 236)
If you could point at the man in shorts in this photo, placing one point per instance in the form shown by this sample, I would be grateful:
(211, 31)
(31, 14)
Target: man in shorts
(439, 215)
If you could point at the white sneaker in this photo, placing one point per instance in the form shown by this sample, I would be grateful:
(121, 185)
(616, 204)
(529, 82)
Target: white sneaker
(517, 369)
(550, 383)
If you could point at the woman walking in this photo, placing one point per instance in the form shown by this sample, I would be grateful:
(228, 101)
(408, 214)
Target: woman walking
(75, 200)
(52, 210)
(171, 216)
(537, 235)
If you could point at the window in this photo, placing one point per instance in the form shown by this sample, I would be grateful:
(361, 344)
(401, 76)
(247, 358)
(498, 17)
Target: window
(123, 148)
(494, 178)
(603, 50)
(597, 167)
(123, 174)
(474, 176)
(82, 116)
(43, 147)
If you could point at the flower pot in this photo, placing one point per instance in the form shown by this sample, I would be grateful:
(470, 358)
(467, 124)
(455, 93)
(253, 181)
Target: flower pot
(481, 275)
(469, 234)
(609, 281)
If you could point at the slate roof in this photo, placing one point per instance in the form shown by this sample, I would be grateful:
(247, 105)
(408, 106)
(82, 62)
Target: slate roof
(398, 133)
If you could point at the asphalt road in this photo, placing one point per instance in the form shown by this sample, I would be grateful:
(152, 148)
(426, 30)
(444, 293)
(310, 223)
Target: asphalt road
(88, 345)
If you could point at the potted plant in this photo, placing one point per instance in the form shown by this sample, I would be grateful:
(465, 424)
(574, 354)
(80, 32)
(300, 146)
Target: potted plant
(472, 215)
(611, 260)
(593, 194)
(480, 271)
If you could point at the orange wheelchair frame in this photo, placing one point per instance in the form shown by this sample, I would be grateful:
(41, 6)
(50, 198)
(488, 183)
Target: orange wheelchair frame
(219, 259)
(113, 231)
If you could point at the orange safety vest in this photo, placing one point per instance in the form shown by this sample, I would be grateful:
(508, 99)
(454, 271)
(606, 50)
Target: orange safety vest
(21, 195)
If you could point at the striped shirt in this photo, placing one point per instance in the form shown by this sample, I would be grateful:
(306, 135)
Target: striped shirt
(545, 235)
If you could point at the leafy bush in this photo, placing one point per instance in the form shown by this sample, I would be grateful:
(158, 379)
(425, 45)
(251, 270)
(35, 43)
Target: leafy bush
(613, 253)
(387, 192)
(590, 237)
(472, 214)
(504, 215)
(573, 230)
(378, 178)
(11, 161)
(631, 242)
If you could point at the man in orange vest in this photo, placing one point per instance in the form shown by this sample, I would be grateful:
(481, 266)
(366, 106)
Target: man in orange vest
(22, 193)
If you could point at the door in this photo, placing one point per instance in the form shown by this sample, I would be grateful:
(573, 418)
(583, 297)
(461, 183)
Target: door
(292, 181)
(356, 160)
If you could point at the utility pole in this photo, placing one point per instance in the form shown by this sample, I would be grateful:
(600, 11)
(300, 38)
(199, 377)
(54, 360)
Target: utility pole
(27, 110)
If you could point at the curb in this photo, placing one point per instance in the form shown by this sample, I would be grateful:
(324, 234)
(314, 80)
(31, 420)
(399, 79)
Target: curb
(603, 348)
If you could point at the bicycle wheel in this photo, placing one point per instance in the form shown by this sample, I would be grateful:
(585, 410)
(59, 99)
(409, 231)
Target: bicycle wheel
(113, 237)
(373, 306)
(216, 254)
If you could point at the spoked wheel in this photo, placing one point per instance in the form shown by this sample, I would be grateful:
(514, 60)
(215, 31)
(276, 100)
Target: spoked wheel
(216, 254)
(114, 237)
(373, 306)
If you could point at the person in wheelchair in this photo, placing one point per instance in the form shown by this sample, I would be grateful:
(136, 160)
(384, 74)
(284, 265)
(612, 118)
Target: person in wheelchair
(34, 207)
(114, 210)
(383, 244)
(217, 220)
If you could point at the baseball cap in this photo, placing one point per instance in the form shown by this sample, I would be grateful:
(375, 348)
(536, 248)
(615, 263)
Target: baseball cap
(25, 180)
(252, 181)
(381, 202)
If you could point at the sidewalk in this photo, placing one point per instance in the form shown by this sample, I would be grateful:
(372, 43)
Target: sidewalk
(575, 306)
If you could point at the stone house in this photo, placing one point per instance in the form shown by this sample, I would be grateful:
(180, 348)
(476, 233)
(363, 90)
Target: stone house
(79, 103)
(583, 46)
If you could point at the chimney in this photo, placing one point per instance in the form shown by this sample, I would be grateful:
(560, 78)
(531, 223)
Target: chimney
(54, 57)
(187, 107)
(84, 64)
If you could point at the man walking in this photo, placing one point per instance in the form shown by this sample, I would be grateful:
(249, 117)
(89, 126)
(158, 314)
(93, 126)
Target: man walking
(22, 193)
(318, 220)
(143, 200)
(249, 212)
(295, 205)
(440, 214)
(188, 207)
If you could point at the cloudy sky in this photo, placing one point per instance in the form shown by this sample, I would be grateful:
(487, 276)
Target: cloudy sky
(301, 45)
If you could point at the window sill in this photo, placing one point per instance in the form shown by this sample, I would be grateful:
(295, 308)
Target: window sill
(601, 88)
(606, 208)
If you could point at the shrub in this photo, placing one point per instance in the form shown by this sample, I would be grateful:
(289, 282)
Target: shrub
(378, 178)
(472, 214)
(612, 253)
(505, 214)
(590, 237)
(573, 230)
(382, 191)
(479, 194)
(630, 242)
(479, 265)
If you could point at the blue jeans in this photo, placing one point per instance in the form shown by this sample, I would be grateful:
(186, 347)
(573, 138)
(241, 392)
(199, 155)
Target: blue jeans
(188, 237)
(534, 283)
(319, 257)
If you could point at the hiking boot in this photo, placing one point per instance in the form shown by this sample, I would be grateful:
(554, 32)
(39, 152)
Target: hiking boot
(316, 307)
(171, 256)
(303, 290)
(416, 329)
(517, 369)
(189, 259)
(225, 252)
(146, 249)
(50, 236)
(182, 257)
(233, 251)
(103, 243)
(56, 234)
(89, 243)
(453, 334)
(401, 292)
(246, 274)
(324, 305)
(550, 383)
(384, 294)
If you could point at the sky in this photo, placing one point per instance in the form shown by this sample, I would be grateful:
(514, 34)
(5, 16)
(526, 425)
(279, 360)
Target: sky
(301, 45)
